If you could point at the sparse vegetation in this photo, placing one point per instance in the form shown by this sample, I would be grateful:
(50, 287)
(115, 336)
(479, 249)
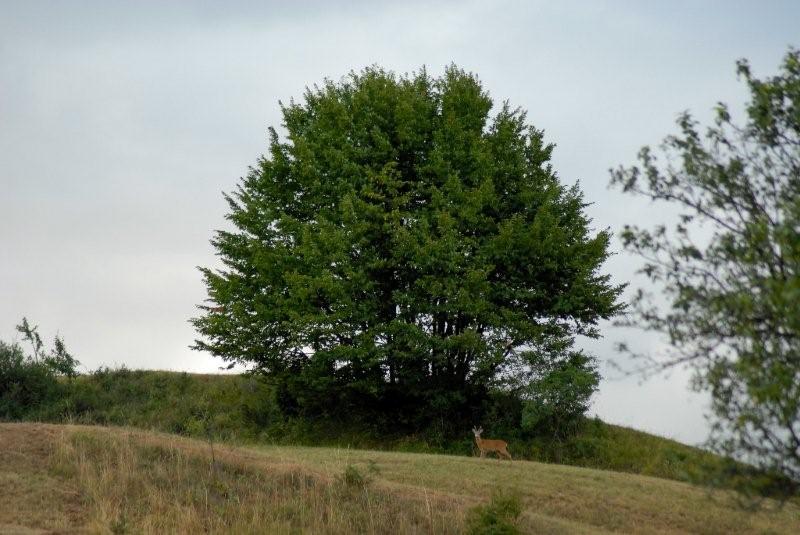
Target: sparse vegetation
(135, 483)
(128, 481)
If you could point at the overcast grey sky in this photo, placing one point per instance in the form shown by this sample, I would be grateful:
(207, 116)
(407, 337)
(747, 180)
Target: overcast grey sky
(121, 124)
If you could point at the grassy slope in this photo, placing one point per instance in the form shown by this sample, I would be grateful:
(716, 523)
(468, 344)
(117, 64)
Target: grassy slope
(119, 480)
(241, 409)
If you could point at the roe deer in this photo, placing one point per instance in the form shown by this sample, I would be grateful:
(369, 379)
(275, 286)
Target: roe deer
(490, 445)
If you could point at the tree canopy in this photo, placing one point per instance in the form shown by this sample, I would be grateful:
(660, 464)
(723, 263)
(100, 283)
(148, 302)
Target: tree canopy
(403, 247)
(730, 267)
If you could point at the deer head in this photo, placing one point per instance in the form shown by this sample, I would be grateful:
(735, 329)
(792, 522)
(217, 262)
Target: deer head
(477, 431)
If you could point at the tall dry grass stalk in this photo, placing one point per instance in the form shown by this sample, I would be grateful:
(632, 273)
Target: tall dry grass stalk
(144, 484)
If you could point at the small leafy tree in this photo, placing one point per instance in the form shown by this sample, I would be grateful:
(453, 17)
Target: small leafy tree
(559, 393)
(58, 359)
(29, 382)
(402, 251)
(730, 267)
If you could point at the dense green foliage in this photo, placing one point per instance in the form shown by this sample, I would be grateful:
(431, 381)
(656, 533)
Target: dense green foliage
(730, 267)
(402, 252)
(558, 396)
(23, 382)
(31, 382)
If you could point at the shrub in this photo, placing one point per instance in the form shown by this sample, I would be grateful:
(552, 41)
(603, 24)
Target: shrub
(559, 395)
(498, 517)
(24, 383)
(353, 479)
(29, 383)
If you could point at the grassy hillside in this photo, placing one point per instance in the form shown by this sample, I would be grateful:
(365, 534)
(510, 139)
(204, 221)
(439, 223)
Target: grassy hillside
(241, 409)
(112, 480)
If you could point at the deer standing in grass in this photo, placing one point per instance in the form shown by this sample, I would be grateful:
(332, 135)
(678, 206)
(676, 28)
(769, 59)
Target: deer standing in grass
(490, 445)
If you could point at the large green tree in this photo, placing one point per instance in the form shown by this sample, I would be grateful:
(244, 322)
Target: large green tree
(402, 247)
(730, 268)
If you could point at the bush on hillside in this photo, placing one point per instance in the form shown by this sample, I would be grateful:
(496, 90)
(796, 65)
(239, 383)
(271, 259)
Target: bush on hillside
(31, 382)
(499, 517)
(559, 395)
(24, 383)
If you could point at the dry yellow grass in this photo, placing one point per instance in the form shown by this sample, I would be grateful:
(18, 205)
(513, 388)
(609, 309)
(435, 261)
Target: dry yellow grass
(62, 479)
(589, 499)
